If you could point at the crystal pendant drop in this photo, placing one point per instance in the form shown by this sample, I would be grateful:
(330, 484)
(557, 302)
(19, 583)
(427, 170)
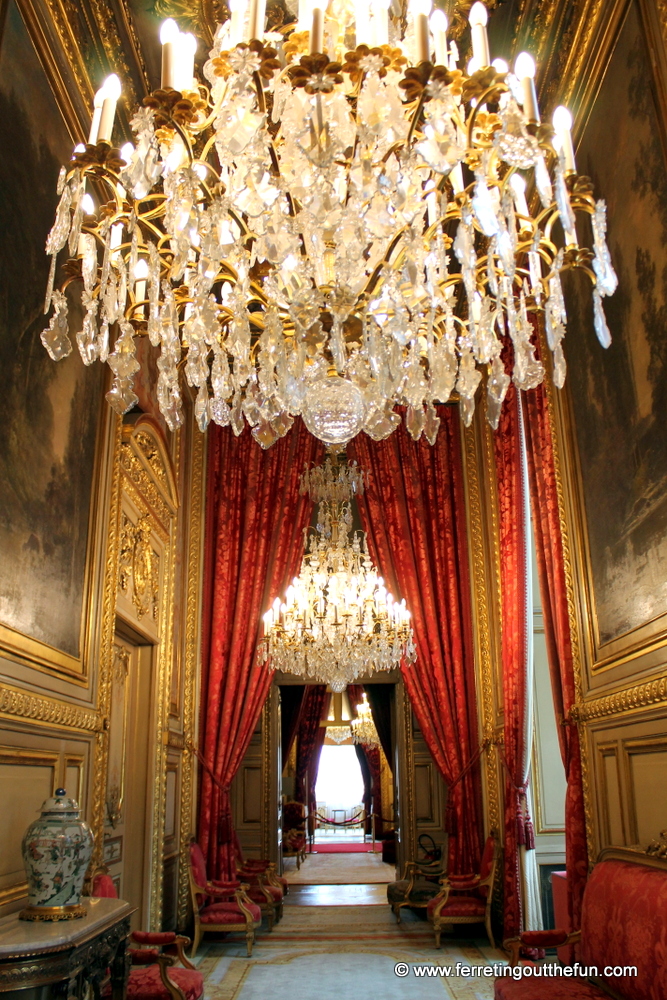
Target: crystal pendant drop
(333, 410)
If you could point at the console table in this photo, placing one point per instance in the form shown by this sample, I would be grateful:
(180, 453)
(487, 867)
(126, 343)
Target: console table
(59, 960)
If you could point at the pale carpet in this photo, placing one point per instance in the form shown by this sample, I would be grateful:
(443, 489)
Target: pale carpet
(339, 869)
(315, 950)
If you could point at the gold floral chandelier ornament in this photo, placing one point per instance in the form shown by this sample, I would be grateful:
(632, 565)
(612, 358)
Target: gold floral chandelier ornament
(363, 727)
(338, 621)
(334, 223)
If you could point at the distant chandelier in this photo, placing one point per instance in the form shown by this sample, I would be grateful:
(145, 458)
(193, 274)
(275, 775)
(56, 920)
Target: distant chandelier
(334, 223)
(363, 727)
(338, 734)
(338, 621)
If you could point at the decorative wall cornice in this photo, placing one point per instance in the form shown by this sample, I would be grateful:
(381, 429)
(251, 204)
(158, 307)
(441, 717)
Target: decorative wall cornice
(24, 705)
(633, 699)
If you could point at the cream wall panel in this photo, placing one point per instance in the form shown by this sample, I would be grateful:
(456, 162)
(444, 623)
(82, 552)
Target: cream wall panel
(610, 795)
(647, 781)
(26, 780)
(628, 763)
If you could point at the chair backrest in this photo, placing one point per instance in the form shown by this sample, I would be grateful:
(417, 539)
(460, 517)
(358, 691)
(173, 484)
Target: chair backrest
(488, 863)
(198, 875)
(103, 887)
(624, 922)
(293, 815)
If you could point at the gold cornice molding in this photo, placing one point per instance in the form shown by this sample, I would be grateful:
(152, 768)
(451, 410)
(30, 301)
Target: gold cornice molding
(652, 694)
(16, 703)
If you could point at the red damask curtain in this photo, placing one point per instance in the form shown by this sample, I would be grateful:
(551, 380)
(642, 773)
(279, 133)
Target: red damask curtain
(254, 545)
(310, 739)
(514, 576)
(554, 589)
(414, 513)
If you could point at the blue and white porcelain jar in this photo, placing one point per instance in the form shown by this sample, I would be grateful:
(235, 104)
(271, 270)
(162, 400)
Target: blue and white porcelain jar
(56, 851)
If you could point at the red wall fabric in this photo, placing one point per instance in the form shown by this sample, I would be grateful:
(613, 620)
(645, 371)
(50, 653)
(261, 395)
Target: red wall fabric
(553, 588)
(254, 545)
(507, 443)
(414, 513)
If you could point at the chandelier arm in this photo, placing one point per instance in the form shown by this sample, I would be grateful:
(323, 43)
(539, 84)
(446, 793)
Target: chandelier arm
(415, 117)
(481, 101)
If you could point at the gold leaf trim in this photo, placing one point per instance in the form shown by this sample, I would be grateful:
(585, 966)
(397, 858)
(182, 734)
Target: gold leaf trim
(24, 705)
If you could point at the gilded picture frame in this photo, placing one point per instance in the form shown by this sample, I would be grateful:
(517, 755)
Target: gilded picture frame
(614, 467)
(55, 430)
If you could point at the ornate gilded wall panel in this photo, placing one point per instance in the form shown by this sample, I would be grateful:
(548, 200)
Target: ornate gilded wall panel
(483, 556)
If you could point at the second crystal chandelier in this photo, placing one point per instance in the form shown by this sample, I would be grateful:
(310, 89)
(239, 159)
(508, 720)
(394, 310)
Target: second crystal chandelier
(338, 620)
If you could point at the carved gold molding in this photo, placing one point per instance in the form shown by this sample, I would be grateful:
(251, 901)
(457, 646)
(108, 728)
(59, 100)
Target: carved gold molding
(191, 664)
(106, 656)
(642, 696)
(19, 704)
(482, 621)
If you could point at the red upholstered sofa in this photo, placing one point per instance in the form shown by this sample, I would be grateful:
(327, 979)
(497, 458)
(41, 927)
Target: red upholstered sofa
(623, 925)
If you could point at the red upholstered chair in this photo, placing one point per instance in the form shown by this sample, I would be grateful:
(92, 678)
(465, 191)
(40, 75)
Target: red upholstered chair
(246, 867)
(622, 940)
(220, 906)
(294, 832)
(153, 975)
(466, 899)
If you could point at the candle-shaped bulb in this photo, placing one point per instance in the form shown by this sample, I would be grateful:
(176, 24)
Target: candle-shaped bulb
(518, 186)
(438, 23)
(87, 205)
(127, 152)
(79, 148)
(477, 18)
(421, 10)
(111, 90)
(500, 66)
(524, 65)
(187, 48)
(169, 36)
(169, 31)
(141, 269)
(524, 68)
(562, 120)
(438, 20)
(478, 15)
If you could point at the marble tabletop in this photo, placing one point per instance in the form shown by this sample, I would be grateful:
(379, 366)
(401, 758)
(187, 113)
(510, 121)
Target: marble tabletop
(26, 937)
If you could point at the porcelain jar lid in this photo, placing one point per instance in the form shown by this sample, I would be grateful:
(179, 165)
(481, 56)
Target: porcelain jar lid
(60, 803)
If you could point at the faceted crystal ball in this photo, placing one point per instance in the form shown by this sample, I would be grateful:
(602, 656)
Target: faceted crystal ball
(333, 410)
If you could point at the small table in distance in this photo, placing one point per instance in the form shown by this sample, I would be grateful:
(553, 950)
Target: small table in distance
(63, 957)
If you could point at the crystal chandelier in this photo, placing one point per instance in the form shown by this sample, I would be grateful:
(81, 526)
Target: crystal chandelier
(333, 223)
(363, 727)
(339, 733)
(338, 621)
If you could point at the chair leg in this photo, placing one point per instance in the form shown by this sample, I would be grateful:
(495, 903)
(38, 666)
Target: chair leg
(196, 938)
(489, 929)
(437, 931)
(298, 862)
(270, 915)
(250, 940)
(396, 907)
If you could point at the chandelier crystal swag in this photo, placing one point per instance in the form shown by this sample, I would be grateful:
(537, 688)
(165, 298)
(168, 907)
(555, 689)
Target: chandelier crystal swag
(333, 223)
(338, 621)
